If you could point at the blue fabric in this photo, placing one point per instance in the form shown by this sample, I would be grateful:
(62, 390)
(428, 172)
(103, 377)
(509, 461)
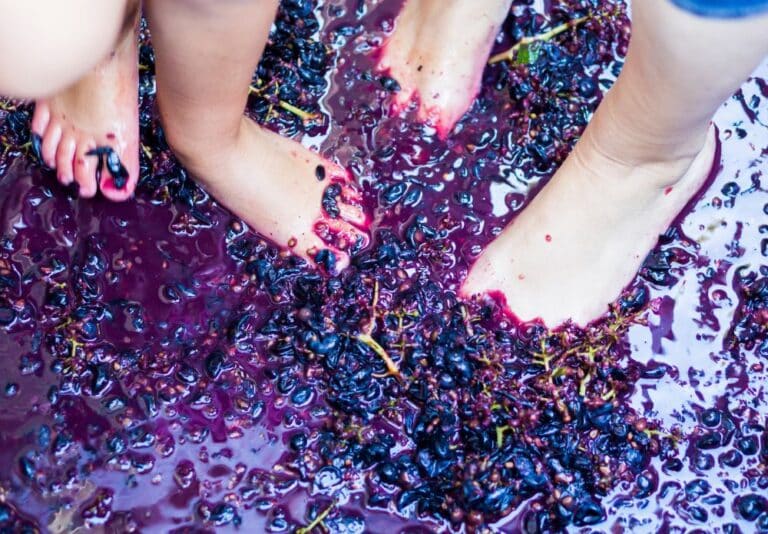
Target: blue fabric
(723, 8)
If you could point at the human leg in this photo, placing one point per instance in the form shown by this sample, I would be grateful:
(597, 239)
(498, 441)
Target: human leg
(85, 82)
(443, 72)
(206, 54)
(99, 110)
(43, 55)
(646, 152)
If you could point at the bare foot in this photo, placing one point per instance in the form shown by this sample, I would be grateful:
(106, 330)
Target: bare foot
(98, 113)
(582, 239)
(438, 52)
(286, 192)
(646, 152)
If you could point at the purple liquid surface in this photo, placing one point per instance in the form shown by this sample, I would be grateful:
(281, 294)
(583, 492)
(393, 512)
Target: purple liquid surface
(151, 399)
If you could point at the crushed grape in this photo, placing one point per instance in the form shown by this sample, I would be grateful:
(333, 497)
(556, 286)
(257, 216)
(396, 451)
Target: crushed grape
(165, 368)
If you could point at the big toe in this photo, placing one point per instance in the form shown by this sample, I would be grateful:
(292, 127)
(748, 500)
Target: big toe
(119, 182)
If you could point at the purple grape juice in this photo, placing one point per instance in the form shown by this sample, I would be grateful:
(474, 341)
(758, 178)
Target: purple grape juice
(165, 369)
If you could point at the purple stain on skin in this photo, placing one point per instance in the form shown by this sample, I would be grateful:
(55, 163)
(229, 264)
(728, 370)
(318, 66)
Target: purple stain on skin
(117, 170)
(107, 157)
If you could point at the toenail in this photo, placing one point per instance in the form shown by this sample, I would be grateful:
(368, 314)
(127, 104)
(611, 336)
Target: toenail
(37, 146)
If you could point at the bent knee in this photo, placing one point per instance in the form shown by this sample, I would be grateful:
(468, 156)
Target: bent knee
(47, 46)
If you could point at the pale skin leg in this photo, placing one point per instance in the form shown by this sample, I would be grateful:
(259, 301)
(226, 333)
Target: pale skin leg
(646, 152)
(84, 82)
(437, 54)
(41, 53)
(206, 54)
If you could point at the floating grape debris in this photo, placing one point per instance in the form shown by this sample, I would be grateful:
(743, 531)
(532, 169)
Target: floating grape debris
(165, 368)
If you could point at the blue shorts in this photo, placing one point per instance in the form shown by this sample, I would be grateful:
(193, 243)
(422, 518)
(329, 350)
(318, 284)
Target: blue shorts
(723, 8)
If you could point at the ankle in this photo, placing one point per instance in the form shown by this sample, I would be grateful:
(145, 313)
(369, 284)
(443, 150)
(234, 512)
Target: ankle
(614, 139)
(201, 150)
(660, 166)
(625, 131)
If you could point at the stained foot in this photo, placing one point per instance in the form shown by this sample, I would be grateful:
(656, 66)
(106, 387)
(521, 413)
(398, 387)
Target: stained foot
(286, 192)
(437, 54)
(583, 238)
(90, 131)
